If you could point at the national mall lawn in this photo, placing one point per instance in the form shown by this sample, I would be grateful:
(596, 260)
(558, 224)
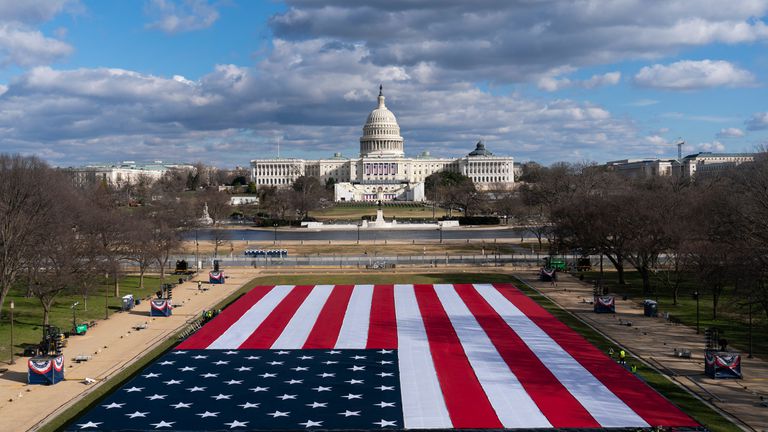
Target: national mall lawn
(28, 314)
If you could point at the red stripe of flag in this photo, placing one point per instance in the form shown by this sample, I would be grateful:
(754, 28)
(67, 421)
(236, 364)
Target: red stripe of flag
(555, 401)
(271, 328)
(326, 329)
(211, 331)
(382, 329)
(647, 403)
(467, 403)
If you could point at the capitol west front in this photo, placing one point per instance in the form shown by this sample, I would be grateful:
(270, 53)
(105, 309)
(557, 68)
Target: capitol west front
(382, 172)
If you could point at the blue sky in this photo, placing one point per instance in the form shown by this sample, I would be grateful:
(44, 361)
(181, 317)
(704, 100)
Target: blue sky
(222, 81)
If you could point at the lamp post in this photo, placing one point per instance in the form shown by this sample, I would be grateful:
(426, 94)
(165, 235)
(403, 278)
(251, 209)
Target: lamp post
(13, 360)
(74, 316)
(106, 296)
(197, 252)
(358, 232)
(275, 241)
(696, 296)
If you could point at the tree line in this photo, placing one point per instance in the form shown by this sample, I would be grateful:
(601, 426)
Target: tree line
(714, 229)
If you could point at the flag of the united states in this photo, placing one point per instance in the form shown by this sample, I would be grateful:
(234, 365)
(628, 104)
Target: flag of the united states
(383, 356)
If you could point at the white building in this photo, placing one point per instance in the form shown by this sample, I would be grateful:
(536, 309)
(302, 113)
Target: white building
(692, 166)
(123, 173)
(382, 172)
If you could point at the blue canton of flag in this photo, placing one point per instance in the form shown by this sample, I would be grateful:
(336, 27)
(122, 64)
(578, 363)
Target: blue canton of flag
(256, 390)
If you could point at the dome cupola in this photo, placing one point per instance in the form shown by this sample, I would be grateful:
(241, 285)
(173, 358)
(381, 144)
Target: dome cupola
(381, 133)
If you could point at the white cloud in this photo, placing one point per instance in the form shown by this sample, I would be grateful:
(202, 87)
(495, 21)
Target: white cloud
(643, 102)
(27, 47)
(730, 133)
(551, 82)
(504, 41)
(172, 16)
(714, 146)
(35, 11)
(690, 75)
(759, 121)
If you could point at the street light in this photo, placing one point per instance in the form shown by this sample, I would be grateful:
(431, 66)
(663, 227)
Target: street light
(74, 318)
(13, 360)
(696, 296)
(358, 232)
(275, 242)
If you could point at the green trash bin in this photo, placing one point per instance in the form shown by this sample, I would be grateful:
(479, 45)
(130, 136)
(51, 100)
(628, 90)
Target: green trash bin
(80, 329)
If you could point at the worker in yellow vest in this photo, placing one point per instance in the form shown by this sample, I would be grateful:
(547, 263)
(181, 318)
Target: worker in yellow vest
(622, 357)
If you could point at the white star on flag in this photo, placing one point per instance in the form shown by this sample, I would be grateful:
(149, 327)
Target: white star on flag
(230, 382)
(151, 375)
(167, 362)
(134, 389)
(356, 368)
(326, 375)
(306, 357)
(230, 352)
(236, 423)
(385, 423)
(156, 397)
(221, 396)
(89, 425)
(383, 404)
(268, 375)
(187, 368)
(286, 396)
(358, 357)
(200, 357)
(114, 405)
(274, 363)
(300, 368)
(243, 368)
(221, 362)
(179, 352)
(249, 405)
(348, 413)
(354, 381)
(207, 414)
(318, 405)
(259, 389)
(294, 381)
(253, 358)
(333, 352)
(173, 381)
(282, 352)
(385, 351)
(162, 423)
(321, 388)
(352, 396)
(138, 414)
(196, 388)
(279, 414)
(385, 374)
(182, 405)
(310, 423)
(209, 375)
(383, 387)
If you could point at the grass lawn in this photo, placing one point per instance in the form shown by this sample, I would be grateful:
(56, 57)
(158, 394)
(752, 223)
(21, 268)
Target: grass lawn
(356, 212)
(689, 404)
(732, 312)
(28, 314)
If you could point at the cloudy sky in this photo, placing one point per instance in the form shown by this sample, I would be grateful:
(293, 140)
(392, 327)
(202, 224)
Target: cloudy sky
(223, 81)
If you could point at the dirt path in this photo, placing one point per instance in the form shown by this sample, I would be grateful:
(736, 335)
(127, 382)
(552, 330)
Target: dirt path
(113, 344)
(655, 339)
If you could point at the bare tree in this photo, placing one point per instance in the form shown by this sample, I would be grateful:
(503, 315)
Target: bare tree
(23, 210)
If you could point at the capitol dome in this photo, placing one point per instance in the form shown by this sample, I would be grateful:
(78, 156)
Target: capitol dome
(381, 133)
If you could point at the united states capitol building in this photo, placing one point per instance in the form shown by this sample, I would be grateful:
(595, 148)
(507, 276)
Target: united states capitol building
(383, 172)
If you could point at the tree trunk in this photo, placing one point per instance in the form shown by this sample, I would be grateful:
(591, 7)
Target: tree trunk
(117, 285)
(645, 274)
(715, 300)
(46, 310)
(142, 269)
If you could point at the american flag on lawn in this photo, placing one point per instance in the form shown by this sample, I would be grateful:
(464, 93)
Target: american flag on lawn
(383, 356)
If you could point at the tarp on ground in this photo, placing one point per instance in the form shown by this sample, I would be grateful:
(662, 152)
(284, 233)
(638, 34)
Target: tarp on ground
(45, 370)
(364, 357)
